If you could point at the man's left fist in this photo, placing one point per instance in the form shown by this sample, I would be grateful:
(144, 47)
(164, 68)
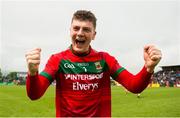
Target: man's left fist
(152, 56)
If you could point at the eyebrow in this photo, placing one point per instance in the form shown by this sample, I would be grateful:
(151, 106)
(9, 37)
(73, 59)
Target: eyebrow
(82, 27)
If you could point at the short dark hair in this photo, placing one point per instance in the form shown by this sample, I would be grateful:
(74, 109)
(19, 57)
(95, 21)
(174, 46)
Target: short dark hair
(84, 15)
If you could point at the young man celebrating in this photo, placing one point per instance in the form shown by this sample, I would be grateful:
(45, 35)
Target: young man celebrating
(83, 75)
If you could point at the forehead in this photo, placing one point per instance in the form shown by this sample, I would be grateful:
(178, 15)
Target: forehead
(82, 23)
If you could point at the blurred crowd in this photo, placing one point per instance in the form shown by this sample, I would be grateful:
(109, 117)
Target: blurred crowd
(167, 78)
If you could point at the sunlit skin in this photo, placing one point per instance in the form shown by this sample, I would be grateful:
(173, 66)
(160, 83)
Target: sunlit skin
(82, 33)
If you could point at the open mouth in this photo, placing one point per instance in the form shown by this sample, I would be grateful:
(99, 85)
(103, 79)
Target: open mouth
(79, 41)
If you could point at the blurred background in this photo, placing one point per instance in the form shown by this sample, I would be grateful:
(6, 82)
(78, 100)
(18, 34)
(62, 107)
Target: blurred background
(123, 28)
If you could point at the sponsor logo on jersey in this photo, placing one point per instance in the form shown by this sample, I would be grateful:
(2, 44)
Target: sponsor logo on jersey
(83, 76)
(83, 64)
(89, 86)
(68, 65)
(98, 65)
(78, 85)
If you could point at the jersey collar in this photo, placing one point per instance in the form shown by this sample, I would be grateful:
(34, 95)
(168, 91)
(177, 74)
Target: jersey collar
(80, 54)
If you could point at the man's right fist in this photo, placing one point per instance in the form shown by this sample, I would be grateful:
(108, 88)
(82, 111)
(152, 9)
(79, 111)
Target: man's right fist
(33, 61)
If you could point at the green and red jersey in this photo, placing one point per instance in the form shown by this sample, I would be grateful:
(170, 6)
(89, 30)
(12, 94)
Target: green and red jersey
(83, 82)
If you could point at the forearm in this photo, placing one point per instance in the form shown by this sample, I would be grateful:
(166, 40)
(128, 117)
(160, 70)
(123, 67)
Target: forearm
(135, 83)
(36, 86)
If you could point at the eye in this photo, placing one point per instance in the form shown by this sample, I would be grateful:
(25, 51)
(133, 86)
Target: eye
(87, 29)
(76, 28)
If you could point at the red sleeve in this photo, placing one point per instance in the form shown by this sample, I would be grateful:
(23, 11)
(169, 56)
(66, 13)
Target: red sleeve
(133, 83)
(37, 85)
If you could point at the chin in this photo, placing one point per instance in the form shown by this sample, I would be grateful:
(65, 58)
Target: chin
(79, 50)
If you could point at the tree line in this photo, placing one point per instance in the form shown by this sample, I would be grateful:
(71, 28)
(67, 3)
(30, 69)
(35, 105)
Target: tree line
(11, 77)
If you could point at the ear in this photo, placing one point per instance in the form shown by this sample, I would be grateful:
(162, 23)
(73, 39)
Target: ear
(70, 30)
(94, 35)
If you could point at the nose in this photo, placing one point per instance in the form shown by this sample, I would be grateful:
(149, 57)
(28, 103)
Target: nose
(80, 32)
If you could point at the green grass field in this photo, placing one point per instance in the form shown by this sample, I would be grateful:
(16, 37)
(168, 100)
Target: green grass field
(154, 102)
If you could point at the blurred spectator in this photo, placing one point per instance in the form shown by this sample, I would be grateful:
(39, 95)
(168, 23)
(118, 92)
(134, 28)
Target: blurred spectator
(169, 76)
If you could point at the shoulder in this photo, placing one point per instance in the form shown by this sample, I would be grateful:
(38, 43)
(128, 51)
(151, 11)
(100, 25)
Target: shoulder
(107, 57)
(59, 55)
(93, 51)
(105, 54)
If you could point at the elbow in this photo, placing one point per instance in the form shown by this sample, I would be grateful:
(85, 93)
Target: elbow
(31, 93)
(136, 91)
(32, 97)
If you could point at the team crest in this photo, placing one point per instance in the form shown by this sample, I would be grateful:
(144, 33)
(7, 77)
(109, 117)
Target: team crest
(98, 65)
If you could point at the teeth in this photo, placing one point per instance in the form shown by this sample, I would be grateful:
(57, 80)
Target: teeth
(78, 40)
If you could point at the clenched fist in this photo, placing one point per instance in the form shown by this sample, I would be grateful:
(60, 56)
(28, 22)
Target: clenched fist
(152, 56)
(33, 61)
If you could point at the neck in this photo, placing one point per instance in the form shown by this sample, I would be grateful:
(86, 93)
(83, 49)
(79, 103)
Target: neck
(81, 54)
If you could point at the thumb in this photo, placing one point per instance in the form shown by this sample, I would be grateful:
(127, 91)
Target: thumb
(146, 47)
(38, 49)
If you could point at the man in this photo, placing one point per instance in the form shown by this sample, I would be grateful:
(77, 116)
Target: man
(83, 75)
